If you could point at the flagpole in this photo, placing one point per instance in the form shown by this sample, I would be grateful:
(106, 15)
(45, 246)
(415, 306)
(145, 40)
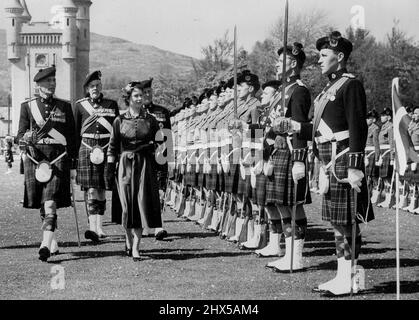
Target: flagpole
(397, 235)
(394, 91)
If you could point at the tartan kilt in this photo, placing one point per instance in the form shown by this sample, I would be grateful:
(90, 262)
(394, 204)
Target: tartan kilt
(57, 189)
(211, 179)
(259, 192)
(386, 170)
(410, 176)
(280, 185)
(220, 186)
(231, 179)
(371, 170)
(338, 202)
(190, 177)
(162, 178)
(90, 175)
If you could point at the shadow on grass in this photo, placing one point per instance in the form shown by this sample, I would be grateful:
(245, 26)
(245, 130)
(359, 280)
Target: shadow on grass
(406, 287)
(188, 256)
(375, 264)
(82, 255)
(331, 251)
(193, 235)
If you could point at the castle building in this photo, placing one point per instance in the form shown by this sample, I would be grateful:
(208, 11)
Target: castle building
(64, 41)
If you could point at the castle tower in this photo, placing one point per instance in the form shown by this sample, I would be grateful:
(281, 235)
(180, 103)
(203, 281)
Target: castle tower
(64, 41)
(83, 43)
(26, 16)
(15, 55)
(67, 72)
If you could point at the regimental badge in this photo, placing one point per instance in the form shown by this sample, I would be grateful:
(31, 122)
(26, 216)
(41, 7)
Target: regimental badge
(333, 42)
(161, 126)
(295, 51)
(248, 78)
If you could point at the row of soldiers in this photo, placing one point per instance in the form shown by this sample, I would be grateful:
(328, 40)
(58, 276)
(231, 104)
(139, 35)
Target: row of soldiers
(241, 163)
(379, 162)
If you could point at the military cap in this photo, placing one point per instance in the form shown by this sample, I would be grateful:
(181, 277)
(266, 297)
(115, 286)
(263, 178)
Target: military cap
(387, 112)
(221, 87)
(272, 83)
(296, 51)
(210, 92)
(45, 73)
(372, 114)
(409, 109)
(203, 95)
(95, 75)
(336, 42)
(145, 84)
(194, 100)
(249, 78)
(230, 83)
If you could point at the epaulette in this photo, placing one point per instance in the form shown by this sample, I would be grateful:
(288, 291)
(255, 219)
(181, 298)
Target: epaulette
(62, 100)
(348, 75)
(81, 100)
(27, 100)
(301, 84)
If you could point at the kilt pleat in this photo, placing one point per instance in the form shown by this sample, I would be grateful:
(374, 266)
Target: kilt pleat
(280, 186)
(371, 170)
(338, 202)
(57, 189)
(211, 179)
(90, 175)
(386, 170)
(259, 192)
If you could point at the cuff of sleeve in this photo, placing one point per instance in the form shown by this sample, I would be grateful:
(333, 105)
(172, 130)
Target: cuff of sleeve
(356, 160)
(299, 155)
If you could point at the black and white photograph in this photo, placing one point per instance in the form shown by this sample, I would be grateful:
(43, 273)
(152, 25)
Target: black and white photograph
(209, 156)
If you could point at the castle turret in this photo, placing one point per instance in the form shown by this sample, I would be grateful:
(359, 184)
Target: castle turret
(14, 12)
(26, 16)
(69, 29)
(83, 42)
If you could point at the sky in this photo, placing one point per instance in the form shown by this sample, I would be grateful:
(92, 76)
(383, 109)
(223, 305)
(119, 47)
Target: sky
(185, 26)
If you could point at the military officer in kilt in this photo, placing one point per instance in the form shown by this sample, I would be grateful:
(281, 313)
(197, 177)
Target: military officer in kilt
(386, 160)
(372, 149)
(47, 136)
(340, 131)
(94, 116)
(290, 160)
(411, 177)
(162, 115)
(248, 112)
(268, 101)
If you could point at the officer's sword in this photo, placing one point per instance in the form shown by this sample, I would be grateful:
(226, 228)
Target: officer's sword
(235, 72)
(353, 221)
(75, 212)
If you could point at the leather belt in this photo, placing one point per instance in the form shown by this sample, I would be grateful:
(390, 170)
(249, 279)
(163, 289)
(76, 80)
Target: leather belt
(49, 141)
(338, 136)
(96, 135)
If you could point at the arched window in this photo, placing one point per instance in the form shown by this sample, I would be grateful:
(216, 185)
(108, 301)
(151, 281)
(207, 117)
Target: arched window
(85, 33)
(68, 22)
(13, 22)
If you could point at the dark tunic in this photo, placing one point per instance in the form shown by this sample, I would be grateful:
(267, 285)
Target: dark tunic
(345, 111)
(92, 131)
(47, 148)
(386, 141)
(280, 186)
(132, 144)
(162, 115)
(372, 150)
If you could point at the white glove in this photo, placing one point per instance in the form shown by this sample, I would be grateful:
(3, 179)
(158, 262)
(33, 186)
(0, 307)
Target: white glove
(355, 177)
(379, 162)
(392, 163)
(366, 161)
(413, 166)
(73, 174)
(298, 171)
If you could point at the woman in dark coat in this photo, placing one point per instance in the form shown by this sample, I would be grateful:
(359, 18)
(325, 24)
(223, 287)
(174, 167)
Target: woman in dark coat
(132, 145)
